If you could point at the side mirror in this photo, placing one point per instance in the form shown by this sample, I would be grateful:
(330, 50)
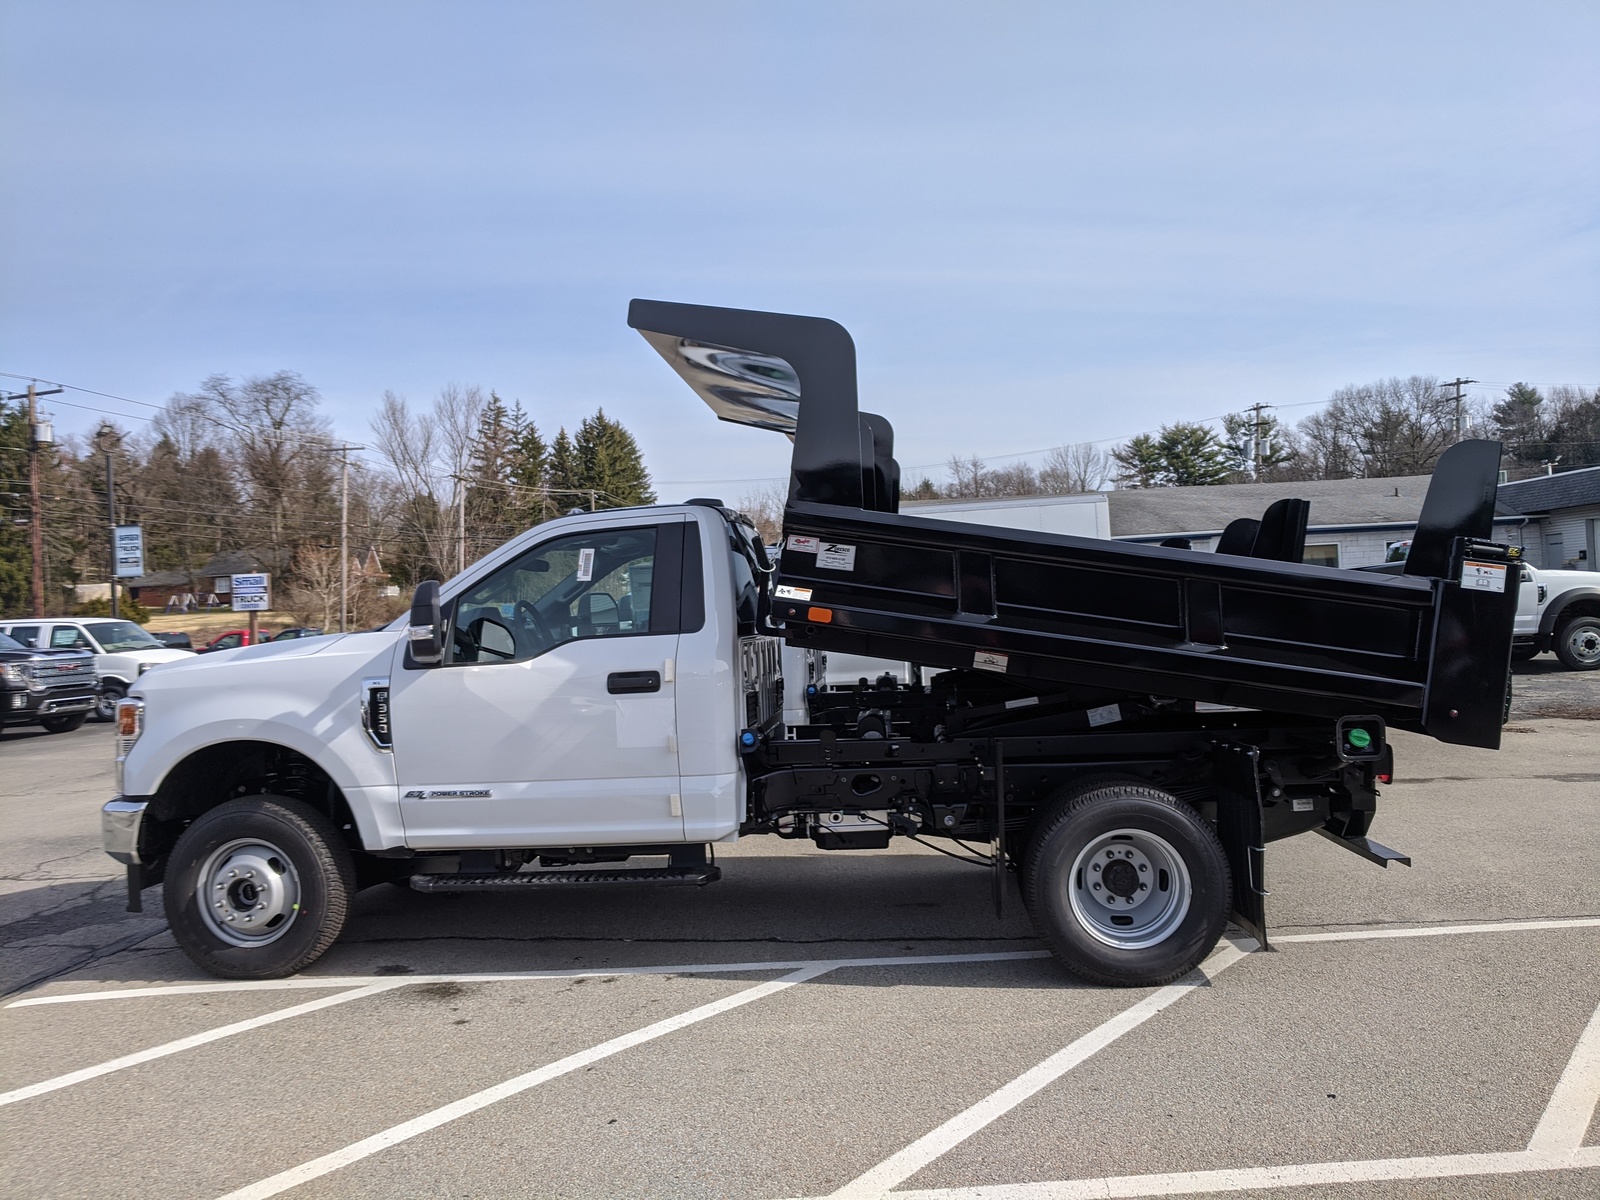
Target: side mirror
(424, 632)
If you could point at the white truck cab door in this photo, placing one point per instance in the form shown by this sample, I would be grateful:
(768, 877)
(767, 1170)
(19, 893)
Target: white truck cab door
(552, 720)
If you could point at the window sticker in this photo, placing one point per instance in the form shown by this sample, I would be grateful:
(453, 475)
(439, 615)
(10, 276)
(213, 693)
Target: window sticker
(585, 566)
(836, 556)
(801, 544)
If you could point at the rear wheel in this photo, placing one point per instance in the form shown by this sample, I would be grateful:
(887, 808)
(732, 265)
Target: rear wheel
(65, 723)
(1128, 886)
(258, 888)
(1577, 643)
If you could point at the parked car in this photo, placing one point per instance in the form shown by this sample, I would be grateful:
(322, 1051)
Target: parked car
(122, 650)
(233, 639)
(296, 631)
(177, 641)
(55, 688)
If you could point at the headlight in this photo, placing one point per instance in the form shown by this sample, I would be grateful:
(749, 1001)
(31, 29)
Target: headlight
(130, 724)
(17, 673)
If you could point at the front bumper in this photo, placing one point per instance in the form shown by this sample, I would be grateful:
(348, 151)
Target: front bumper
(120, 821)
(30, 706)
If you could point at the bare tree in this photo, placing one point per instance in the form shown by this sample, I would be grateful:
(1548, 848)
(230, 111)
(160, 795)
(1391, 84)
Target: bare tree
(764, 507)
(1069, 470)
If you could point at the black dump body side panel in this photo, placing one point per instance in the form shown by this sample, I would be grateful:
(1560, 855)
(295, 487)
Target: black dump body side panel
(1252, 630)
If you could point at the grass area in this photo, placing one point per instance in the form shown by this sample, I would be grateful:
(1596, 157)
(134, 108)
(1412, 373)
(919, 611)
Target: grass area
(207, 625)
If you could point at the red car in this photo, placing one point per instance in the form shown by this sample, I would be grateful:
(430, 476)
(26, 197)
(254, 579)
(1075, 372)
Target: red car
(233, 639)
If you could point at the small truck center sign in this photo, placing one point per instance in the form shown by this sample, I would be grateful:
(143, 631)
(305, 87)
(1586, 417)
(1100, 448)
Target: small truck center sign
(250, 593)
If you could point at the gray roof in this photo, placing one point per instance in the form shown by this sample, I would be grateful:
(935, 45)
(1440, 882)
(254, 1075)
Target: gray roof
(1147, 511)
(161, 579)
(1545, 493)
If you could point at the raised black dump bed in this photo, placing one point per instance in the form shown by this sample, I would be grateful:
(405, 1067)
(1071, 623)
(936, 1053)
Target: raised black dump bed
(1427, 651)
(1102, 703)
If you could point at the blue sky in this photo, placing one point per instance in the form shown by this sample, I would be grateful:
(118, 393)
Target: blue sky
(1043, 223)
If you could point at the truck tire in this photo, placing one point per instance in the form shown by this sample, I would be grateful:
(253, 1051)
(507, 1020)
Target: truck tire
(258, 888)
(105, 705)
(1577, 643)
(65, 723)
(1156, 908)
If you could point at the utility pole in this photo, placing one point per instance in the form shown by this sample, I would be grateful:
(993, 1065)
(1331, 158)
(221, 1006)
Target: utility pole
(1458, 384)
(343, 451)
(1256, 425)
(40, 435)
(107, 435)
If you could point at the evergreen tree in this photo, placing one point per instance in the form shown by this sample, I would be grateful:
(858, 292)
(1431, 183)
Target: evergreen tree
(609, 462)
(16, 559)
(1192, 455)
(1275, 452)
(1519, 423)
(563, 477)
(1141, 463)
(529, 469)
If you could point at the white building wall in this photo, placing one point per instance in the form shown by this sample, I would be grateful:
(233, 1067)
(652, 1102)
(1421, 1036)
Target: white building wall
(1567, 539)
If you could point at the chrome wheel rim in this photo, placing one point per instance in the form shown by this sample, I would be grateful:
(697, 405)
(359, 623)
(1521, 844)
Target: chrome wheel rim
(1129, 889)
(1583, 643)
(248, 892)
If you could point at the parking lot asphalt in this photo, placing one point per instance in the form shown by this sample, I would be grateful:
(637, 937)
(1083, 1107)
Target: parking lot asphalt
(845, 1025)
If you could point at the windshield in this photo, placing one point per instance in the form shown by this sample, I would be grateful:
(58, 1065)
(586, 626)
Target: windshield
(7, 643)
(119, 636)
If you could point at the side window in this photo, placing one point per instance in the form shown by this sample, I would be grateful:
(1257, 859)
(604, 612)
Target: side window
(229, 642)
(603, 583)
(28, 635)
(68, 637)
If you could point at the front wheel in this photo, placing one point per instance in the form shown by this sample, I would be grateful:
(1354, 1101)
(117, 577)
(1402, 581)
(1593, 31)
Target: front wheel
(105, 705)
(1577, 643)
(65, 723)
(1128, 886)
(258, 888)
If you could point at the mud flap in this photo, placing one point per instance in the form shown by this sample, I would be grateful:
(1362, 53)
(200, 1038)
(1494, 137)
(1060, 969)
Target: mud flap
(1240, 826)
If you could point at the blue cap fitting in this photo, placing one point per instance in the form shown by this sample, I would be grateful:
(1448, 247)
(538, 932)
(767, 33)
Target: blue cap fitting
(811, 689)
(747, 738)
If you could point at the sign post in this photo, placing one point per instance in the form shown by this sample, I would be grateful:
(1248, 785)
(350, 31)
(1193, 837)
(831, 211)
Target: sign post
(250, 595)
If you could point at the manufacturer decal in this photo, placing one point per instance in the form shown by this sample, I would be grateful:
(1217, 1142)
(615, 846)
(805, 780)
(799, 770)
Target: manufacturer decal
(836, 556)
(801, 544)
(985, 660)
(449, 794)
(1483, 577)
(585, 565)
(785, 591)
(1108, 714)
(1304, 804)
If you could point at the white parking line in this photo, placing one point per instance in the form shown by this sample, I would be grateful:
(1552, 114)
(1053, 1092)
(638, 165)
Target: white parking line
(367, 1147)
(899, 1167)
(188, 1043)
(1566, 1118)
(1192, 1183)
(347, 981)
(1364, 935)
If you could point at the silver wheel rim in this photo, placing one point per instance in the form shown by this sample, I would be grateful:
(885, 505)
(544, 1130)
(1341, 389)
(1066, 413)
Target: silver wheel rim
(1583, 643)
(1129, 889)
(105, 705)
(248, 892)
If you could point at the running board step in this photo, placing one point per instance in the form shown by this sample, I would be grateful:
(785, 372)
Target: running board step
(532, 880)
(1368, 849)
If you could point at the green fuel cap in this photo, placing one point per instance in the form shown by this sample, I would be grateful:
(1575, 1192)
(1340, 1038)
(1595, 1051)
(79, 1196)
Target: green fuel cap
(1358, 737)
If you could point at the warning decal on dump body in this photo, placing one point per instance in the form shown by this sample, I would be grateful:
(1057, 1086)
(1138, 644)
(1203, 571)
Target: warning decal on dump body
(836, 556)
(985, 660)
(1484, 577)
(785, 591)
(802, 544)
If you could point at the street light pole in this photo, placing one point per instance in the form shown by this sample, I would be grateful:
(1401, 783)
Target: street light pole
(344, 538)
(106, 435)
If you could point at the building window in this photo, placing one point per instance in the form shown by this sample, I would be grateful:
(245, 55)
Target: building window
(1325, 555)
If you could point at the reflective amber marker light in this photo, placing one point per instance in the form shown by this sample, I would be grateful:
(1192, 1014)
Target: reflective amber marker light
(821, 616)
(127, 719)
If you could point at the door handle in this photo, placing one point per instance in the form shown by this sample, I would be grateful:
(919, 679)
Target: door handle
(622, 683)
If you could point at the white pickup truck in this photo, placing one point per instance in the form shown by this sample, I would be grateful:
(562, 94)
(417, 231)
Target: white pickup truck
(1560, 611)
(1124, 727)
